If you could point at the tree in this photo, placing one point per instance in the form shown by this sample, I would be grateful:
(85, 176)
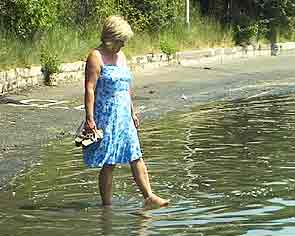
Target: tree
(27, 17)
(153, 15)
(276, 16)
(273, 17)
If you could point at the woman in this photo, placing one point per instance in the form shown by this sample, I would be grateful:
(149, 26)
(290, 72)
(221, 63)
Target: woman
(109, 107)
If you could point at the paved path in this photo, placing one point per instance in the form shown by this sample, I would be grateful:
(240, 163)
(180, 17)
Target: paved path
(32, 118)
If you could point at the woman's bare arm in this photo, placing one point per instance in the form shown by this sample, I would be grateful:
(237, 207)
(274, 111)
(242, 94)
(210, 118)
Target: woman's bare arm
(92, 71)
(133, 114)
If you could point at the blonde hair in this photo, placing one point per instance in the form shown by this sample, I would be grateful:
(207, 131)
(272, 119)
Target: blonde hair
(115, 28)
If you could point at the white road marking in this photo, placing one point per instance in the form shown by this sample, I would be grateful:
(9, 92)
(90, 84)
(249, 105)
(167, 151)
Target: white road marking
(34, 103)
(53, 103)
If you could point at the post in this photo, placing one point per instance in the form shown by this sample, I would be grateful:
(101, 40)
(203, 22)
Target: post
(187, 13)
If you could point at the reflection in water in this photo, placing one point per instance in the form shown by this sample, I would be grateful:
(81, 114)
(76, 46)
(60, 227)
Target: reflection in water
(228, 168)
(140, 222)
(106, 221)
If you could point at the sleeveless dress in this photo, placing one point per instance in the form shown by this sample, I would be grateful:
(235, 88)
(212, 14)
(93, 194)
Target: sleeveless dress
(112, 113)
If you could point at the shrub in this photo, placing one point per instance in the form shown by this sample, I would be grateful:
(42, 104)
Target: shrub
(246, 34)
(168, 47)
(246, 31)
(50, 63)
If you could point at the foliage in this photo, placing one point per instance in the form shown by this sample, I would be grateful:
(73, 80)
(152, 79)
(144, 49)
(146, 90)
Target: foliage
(50, 62)
(72, 44)
(246, 34)
(153, 15)
(271, 17)
(32, 18)
(27, 17)
(276, 14)
(143, 15)
(168, 47)
(81, 12)
(49, 31)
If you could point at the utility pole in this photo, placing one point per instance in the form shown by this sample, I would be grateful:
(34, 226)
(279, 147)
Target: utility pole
(187, 13)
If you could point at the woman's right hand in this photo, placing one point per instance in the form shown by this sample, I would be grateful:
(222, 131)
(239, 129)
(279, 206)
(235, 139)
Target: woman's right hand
(90, 126)
(92, 72)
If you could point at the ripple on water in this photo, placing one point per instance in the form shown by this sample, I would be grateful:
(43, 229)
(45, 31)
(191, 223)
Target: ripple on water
(227, 167)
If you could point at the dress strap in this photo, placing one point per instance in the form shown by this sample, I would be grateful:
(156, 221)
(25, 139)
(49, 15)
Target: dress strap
(105, 61)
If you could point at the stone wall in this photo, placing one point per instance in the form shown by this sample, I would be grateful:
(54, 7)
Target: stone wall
(19, 78)
(22, 78)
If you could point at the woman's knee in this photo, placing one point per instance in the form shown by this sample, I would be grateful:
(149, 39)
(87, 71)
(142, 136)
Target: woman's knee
(108, 167)
(136, 161)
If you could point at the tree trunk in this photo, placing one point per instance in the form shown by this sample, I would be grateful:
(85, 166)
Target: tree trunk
(273, 40)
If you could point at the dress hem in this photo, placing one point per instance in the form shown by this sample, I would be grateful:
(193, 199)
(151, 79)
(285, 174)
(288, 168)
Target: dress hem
(116, 163)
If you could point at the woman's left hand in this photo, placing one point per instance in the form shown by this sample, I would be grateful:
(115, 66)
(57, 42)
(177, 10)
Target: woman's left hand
(135, 120)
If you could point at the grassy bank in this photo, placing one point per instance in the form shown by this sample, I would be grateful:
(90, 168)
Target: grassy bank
(71, 44)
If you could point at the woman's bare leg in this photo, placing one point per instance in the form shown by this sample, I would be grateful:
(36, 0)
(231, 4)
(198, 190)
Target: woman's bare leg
(141, 178)
(105, 184)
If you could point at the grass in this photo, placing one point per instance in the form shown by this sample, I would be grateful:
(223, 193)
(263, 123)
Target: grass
(287, 37)
(202, 33)
(70, 45)
(73, 44)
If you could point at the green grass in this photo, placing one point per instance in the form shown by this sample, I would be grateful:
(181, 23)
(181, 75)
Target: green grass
(68, 44)
(287, 37)
(72, 44)
(203, 33)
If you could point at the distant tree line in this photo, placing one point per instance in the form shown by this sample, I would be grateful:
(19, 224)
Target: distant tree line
(250, 19)
(253, 19)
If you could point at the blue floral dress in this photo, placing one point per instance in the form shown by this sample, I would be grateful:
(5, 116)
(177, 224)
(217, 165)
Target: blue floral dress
(112, 113)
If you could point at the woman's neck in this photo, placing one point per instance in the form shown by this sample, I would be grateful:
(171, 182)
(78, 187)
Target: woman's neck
(106, 51)
(109, 57)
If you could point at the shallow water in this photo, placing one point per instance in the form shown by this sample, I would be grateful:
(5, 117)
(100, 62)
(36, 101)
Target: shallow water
(228, 168)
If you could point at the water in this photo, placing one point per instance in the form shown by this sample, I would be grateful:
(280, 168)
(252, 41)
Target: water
(228, 168)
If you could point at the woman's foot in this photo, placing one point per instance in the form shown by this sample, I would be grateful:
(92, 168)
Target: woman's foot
(155, 201)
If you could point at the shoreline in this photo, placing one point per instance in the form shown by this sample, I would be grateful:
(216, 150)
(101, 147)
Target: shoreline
(18, 79)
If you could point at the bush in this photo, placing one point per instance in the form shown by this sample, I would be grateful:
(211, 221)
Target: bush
(246, 35)
(50, 63)
(168, 47)
(246, 31)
